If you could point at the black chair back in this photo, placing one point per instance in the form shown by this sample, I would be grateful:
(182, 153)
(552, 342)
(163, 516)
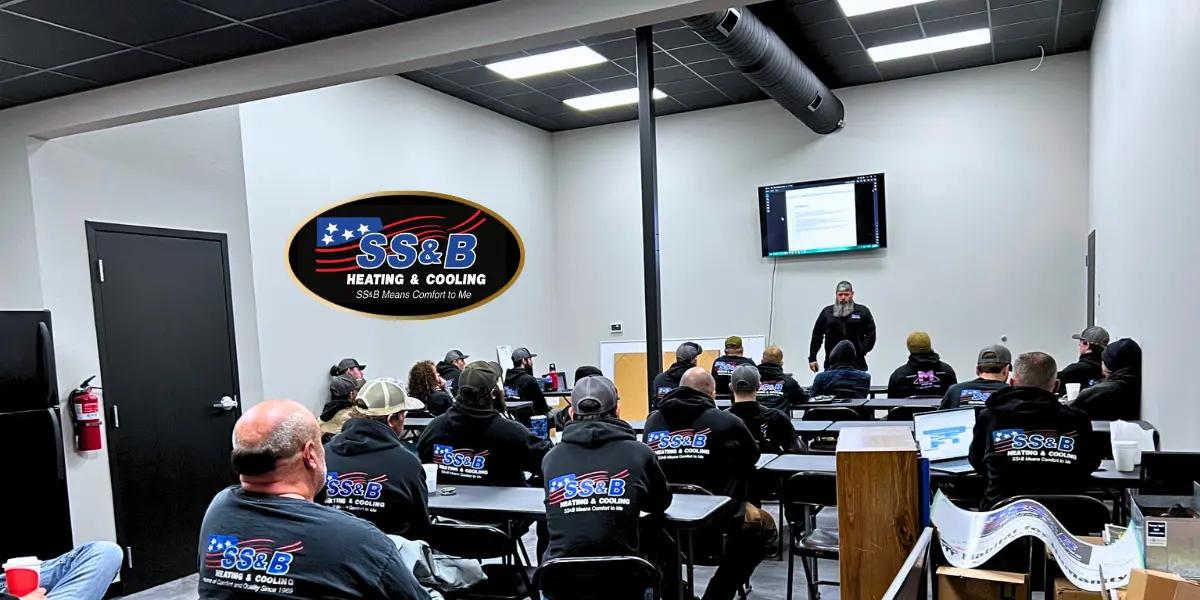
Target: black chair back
(1080, 515)
(905, 413)
(807, 489)
(831, 413)
(1169, 473)
(597, 578)
(469, 540)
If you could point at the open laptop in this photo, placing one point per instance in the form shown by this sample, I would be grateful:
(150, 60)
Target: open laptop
(945, 438)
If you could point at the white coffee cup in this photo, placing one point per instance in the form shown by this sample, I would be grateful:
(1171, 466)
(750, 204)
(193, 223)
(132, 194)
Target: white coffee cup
(1072, 391)
(430, 477)
(1126, 455)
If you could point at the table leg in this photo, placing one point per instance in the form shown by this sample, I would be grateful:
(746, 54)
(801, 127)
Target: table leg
(691, 576)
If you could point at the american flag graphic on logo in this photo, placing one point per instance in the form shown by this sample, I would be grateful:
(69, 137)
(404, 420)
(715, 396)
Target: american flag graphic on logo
(355, 477)
(557, 488)
(338, 237)
(218, 544)
(655, 439)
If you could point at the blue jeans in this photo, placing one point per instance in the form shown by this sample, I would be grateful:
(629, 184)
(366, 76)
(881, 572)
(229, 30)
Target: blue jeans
(81, 574)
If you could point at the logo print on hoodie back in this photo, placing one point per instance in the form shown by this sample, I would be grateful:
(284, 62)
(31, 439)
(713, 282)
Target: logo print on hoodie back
(590, 492)
(681, 443)
(463, 462)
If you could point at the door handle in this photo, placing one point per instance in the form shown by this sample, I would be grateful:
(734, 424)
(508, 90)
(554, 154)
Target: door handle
(225, 404)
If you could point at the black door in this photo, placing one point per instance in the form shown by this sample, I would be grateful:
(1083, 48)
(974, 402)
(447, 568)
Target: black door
(164, 323)
(1091, 279)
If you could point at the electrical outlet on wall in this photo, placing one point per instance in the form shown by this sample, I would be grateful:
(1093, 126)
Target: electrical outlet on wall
(616, 328)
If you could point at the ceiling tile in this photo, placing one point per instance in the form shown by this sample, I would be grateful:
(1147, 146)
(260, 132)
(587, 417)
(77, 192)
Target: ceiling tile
(458, 66)
(700, 100)
(608, 37)
(9, 70)
(248, 9)
(885, 19)
(123, 66)
(1007, 3)
(603, 70)
(667, 26)
(835, 46)
(712, 67)
(906, 67)
(551, 109)
(218, 44)
(670, 74)
(827, 29)
(548, 80)
(528, 99)
(1041, 9)
(474, 76)
(40, 86)
(500, 89)
(615, 49)
(944, 9)
(1078, 6)
(613, 84)
(5, 103)
(684, 86)
(890, 36)
(814, 12)
(851, 59)
(677, 38)
(134, 22)
(1022, 48)
(966, 22)
(327, 20)
(40, 45)
(855, 76)
(1075, 31)
(737, 87)
(964, 57)
(572, 91)
(697, 53)
(416, 9)
(1025, 29)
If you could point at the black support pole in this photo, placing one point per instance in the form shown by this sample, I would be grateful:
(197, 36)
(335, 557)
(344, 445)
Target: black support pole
(649, 162)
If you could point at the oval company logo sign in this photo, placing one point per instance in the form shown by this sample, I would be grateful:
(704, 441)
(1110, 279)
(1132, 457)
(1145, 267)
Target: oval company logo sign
(406, 255)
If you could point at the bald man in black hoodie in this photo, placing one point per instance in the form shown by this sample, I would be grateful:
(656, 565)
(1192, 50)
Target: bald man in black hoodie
(696, 443)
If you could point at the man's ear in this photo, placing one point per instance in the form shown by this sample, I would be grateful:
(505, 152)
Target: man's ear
(617, 411)
(309, 454)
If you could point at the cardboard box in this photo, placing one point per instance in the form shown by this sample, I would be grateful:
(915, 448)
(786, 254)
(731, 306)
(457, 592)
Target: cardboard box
(1147, 584)
(1187, 591)
(980, 584)
(1168, 543)
(1065, 590)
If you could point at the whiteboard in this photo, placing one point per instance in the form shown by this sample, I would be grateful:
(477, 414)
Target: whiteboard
(752, 347)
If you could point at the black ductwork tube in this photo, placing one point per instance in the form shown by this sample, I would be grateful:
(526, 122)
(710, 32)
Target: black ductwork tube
(759, 53)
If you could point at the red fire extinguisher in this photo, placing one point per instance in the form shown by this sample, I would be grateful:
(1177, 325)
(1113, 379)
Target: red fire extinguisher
(86, 404)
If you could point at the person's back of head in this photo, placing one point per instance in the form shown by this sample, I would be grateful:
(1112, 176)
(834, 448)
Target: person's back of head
(586, 371)
(277, 450)
(700, 380)
(773, 355)
(994, 362)
(1123, 354)
(594, 397)
(688, 352)
(843, 356)
(479, 385)
(1037, 370)
(733, 346)
(744, 383)
(918, 342)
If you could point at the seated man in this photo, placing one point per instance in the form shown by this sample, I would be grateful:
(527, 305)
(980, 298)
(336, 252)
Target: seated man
(1119, 396)
(451, 367)
(685, 358)
(267, 538)
(723, 367)
(843, 378)
(699, 444)
(924, 375)
(772, 430)
(371, 474)
(992, 366)
(778, 390)
(84, 573)
(599, 515)
(1088, 371)
(562, 417)
(1027, 442)
(520, 384)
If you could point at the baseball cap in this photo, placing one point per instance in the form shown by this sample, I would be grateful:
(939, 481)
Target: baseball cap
(996, 354)
(918, 342)
(521, 354)
(341, 386)
(745, 378)
(733, 341)
(479, 376)
(454, 355)
(844, 286)
(1094, 335)
(349, 363)
(688, 351)
(382, 397)
(335, 423)
(594, 395)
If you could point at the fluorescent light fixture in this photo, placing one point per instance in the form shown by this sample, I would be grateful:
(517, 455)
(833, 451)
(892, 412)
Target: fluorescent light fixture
(539, 64)
(941, 43)
(609, 99)
(853, 8)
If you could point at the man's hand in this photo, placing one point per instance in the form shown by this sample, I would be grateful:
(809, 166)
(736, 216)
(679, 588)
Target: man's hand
(38, 594)
(813, 365)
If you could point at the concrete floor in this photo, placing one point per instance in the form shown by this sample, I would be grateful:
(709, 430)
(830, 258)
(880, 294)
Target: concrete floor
(769, 581)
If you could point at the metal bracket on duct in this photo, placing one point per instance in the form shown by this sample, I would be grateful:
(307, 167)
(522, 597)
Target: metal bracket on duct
(756, 50)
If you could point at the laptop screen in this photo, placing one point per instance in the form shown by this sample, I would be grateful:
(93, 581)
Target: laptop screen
(945, 434)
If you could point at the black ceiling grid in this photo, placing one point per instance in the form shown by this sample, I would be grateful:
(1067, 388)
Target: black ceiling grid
(50, 48)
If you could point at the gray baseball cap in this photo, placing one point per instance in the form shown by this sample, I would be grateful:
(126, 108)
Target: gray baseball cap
(688, 351)
(996, 354)
(745, 378)
(521, 354)
(844, 286)
(594, 395)
(454, 355)
(1094, 335)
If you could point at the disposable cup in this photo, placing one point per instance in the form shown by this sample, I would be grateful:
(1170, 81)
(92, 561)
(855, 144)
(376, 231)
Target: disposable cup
(1072, 391)
(430, 478)
(23, 575)
(1126, 454)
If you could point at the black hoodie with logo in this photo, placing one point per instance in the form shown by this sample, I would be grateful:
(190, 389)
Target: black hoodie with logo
(923, 375)
(1027, 442)
(372, 476)
(449, 374)
(520, 384)
(722, 370)
(664, 383)
(598, 482)
(1087, 372)
(700, 444)
(772, 430)
(477, 446)
(779, 390)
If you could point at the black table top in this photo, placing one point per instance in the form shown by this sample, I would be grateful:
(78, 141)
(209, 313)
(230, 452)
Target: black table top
(840, 425)
(886, 403)
(1107, 476)
(1106, 426)
(685, 512)
(802, 426)
(839, 403)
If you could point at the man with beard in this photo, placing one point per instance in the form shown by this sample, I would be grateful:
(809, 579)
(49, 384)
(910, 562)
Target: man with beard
(666, 382)
(451, 367)
(521, 385)
(1088, 371)
(843, 320)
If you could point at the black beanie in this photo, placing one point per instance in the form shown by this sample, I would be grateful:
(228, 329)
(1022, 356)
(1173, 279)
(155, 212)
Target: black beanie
(1123, 354)
(586, 371)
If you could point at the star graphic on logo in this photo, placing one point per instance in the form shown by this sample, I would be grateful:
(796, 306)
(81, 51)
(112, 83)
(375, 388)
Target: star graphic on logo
(328, 239)
(347, 233)
(332, 228)
(363, 229)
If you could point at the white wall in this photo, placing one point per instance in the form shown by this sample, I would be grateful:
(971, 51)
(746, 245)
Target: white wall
(306, 151)
(182, 172)
(1144, 163)
(987, 203)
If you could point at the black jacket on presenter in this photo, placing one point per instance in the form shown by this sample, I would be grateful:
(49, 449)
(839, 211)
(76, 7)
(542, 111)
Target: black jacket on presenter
(858, 328)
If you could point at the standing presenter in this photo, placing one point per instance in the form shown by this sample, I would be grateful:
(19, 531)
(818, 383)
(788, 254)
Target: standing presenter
(843, 320)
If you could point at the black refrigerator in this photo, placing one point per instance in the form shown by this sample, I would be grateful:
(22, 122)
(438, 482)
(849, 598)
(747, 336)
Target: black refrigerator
(37, 514)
